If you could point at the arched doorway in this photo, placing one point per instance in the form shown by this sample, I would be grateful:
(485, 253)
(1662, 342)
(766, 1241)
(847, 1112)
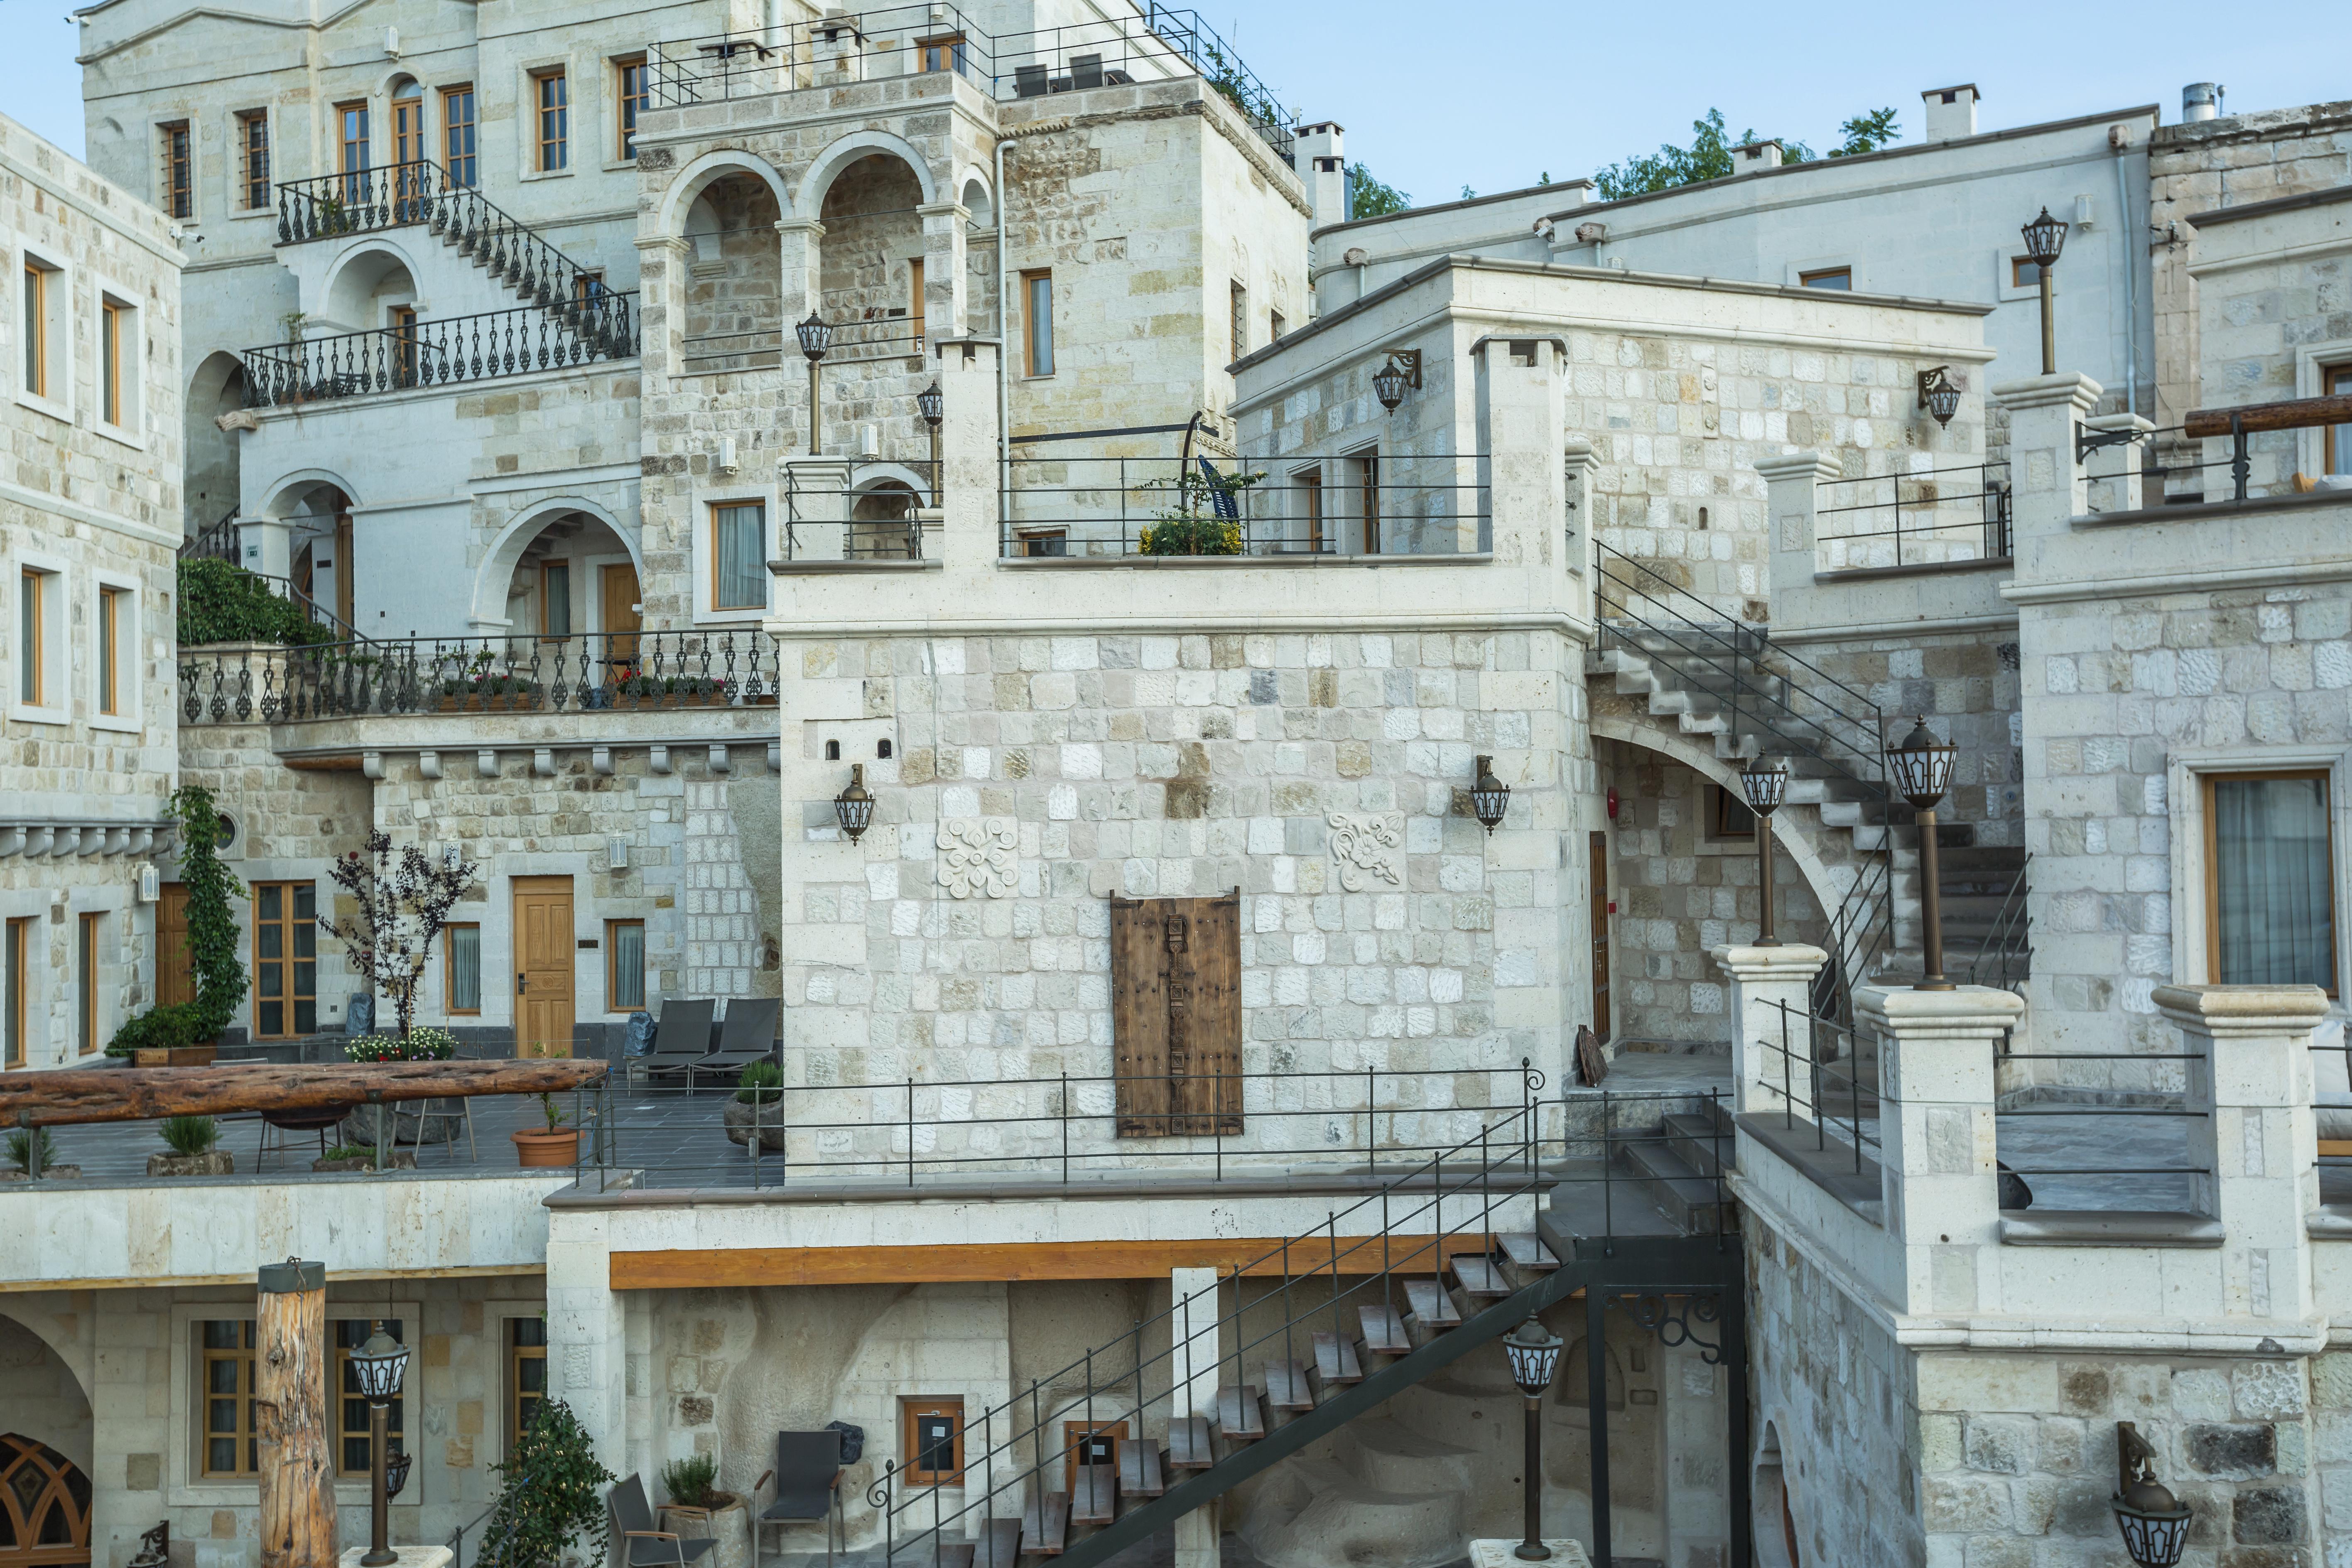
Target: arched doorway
(210, 493)
(44, 1506)
(882, 522)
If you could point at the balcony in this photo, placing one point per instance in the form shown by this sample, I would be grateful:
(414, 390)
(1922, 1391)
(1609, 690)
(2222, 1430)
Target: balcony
(445, 351)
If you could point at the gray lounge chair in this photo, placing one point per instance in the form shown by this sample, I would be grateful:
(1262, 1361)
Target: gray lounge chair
(805, 1486)
(643, 1546)
(682, 1040)
(747, 1035)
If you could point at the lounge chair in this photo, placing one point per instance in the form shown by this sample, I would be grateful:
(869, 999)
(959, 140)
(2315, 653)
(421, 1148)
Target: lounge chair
(804, 1487)
(747, 1035)
(643, 1546)
(682, 1040)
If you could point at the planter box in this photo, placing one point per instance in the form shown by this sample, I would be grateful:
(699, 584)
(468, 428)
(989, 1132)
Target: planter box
(543, 1148)
(176, 1055)
(48, 1173)
(401, 1161)
(737, 1119)
(727, 1524)
(218, 1162)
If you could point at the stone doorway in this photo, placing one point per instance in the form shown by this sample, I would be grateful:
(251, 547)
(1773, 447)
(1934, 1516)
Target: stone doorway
(44, 1506)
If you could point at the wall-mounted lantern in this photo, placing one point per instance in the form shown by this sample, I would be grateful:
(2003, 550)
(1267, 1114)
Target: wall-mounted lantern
(853, 807)
(1938, 395)
(1390, 380)
(1489, 796)
(2154, 1522)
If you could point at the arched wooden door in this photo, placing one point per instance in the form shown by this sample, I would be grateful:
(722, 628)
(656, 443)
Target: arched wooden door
(44, 1506)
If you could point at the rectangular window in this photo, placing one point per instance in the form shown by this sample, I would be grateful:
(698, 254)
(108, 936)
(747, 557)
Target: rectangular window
(1366, 474)
(40, 337)
(35, 589)
(457, 133)
(1274, 326)
(113, 628)
(1238, 325)
(179, 177)
(915, 299)
(526, 1371)
(551, 93)
(944, 53)
(587, 284)
(931, 1434)
(1827, 278)
(16, 953)
(253, 156)
(1732, 818)
(111, 320)
(2270, 889)
(355, 1438)
(285, 959)
(231, 1447)
(738, 555)
(351, 121)
(1308, 482)
(462, 967)
(2024, 272)
(1038, 324)
(2336, 455)
(625, 983)
(632, 91)
(1055, 542)
(555, 599)
(86, 1007)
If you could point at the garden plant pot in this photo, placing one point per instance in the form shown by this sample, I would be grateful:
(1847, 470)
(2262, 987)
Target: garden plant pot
(176, 1056)
(540, 1147)
(727, 1524)
(737, 1119)
(402, 1160)
(214, 1163)
(48, 1173)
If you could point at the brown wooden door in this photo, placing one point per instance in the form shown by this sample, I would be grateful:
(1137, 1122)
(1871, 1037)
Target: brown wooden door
(542, 961)
(176, 969)
(344, 567)
(1176, 1023)
(1599, 851)
(1090, 1443)
(616, 595)
(44, 1506)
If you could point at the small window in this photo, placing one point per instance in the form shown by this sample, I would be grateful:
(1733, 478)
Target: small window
(118, 338)
(45, 337)
(555, 599)
(1827, 278)
(408, 134)
(253, 157)
(944, 53)
(625, 983)
(116, 643)
(2269, 880)
(1045, 541)
(461, 950)
(285, 959)
(40, 621)
(832, 750)
(915, 299)
(351, 122)
(882, 750)
(355, 1438)
(16, 955)
(1238, 325)
(87, 1038)
(552, 93)
(225, 1383)
(1364, 481)
(457, 135)
(633, 92)
(1038, 324)
(526, 1372)
(738, 555)
(179, 174)
(1307, 484)
(2024, 272)
(1733, 819)
(932, 1438)
(1274, 326)
(2336, 440)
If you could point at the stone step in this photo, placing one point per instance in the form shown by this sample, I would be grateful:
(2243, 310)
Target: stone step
(1188, 1447)
(1694, 1139)
(1140, 1469)
(1285, 1387)
(1479, 1279)
(999, 1545)
(1094, 1494)
(1525, 1250)
(1687, 1198)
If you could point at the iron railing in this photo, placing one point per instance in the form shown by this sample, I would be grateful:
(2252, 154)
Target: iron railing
(874, 514)
(582, 672)
(2005, 956)
(401, 196)
(216, 541)
(2077, 1112)
(1244, 506)
(446, 350)
(1928, 523)
(1804, 1046)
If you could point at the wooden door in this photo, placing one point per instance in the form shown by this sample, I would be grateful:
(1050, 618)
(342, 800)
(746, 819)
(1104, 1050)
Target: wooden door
(344, 567)
(44, 1506)
(1176, 1016)
(176, 969)
(1599, 852)
(617, 615)
(1088, 1443)
(542, 961)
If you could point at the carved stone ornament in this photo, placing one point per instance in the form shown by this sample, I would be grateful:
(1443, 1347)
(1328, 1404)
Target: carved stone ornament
(979, 857)
(1369, 851)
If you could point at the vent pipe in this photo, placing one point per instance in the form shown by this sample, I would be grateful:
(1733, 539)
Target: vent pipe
(2201, 100)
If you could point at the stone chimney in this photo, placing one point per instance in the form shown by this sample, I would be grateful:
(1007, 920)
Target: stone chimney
(1751, 156)
(1951, 112)
(1322, 163)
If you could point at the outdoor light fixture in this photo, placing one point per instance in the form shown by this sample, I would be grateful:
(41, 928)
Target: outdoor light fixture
(816, 337)
(2045, 237)
(1764, 788)
(932, 405)
(378, 1367)
(395, 1473)
(1938, 395)
(1389, 382)
(1533, 1352)
(2154, 1522)
(853, 807)
(1489, 796)
(1921, 768)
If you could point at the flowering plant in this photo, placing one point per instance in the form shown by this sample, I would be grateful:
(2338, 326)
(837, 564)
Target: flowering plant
(423, 1043)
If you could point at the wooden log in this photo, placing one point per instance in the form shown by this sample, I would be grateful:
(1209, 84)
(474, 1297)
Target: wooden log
(289, 1418)
(77, 1095)
(2296, 414)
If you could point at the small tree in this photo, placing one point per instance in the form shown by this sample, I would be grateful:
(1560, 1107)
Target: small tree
(213, 945)
(1369, 197)
(549, 1494)
(403, 902)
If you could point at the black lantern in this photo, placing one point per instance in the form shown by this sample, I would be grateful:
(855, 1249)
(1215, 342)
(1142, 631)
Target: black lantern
(1938, 395)
(1489, 796)
(815, 338)
(1764, 788)
(1390, 380)
(2045, 237)
(2154, 1522)
(377, 1367)
(1921, 771)
(1533, 1352)
(853, 807)
(932, 405)
(395, 1473)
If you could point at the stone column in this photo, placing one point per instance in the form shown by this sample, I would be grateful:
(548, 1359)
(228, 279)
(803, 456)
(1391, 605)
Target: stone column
(2113, 473)
(2254, 1079)
(2047, 488)
(970, 499)
(266, 544)
(799, 241)
(1790, 510)
(945, 309)
(1193, 1392)
(1519, 417)
(1579, 477)
(1937, 1170)
(1771, 990)
(587, 1330)
(662, 283)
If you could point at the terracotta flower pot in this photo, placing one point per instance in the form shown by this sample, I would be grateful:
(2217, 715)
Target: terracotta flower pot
(728, 1523)
(537, 1146)
(176, 1056)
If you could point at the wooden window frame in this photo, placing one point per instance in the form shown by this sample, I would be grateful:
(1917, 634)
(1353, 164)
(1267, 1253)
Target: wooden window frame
(290, 997)
(612, 1002)
(1237, 321)
(2206, 780)
(110, 322)
(1814, 278)
(716, 508)
(451, 96)
(245, 1436)
(911, 1407)
(343, 1340)
(628, 105)
(35, 281)
(552, 153)
(449, 969)
(253, 158)
(17, 955)
(1309, 484)
(346, 145)
(517, 1355)
(916, 316)
(942, 55)
(109, 648)
(85, 988)
(1030, 538)
(2024, 272)
(179, 169)
(1030, 279)
(548, 571)
(1367, 479)
(2336, 440)
(34, 627)
(1274, 326)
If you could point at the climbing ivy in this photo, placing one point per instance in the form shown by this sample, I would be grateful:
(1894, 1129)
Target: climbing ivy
(213, 945)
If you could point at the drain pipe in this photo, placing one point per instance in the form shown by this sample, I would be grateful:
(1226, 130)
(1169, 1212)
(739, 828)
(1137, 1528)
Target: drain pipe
(1003, 329)
(2129, 223)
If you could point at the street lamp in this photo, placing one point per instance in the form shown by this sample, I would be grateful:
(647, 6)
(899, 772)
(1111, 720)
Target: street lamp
(1921, 768)
(1534, 1355)
(932, 406)
(1764, 789)
(2045, 237)
(815, 338)
(378, 1367)
(853, 807)
(2154, 1522)
(1489, 796)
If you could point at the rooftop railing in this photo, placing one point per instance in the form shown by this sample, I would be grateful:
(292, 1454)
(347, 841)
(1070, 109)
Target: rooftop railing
(446, 350)
(1925, 516)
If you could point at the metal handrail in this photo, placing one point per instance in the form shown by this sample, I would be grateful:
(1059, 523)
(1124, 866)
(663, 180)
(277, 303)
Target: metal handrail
(1994, 513)
(400, 196)
(1815, 1074)
(442, 352)
(898, 538)
(2007, 947)
(214, 543)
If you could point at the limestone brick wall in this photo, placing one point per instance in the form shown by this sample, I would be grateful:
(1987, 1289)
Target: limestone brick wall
(734, 307)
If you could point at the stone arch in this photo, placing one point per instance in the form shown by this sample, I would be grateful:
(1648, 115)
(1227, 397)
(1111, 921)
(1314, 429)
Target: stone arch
(1775, 1515)
(849, 150)
(972, 190)
(286, 495)
(717, 165)
(212, 487)
(359, 276)
(46, 1398)
(496, 573)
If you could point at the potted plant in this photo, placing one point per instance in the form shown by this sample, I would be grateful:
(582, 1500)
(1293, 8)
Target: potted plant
(345, 1157)
(402, 1123)
(192, 1140)
(169, 1036)
(755, 1106)
(550, 1496)
(697, 1507)
(20, 1157)
(556, 1145)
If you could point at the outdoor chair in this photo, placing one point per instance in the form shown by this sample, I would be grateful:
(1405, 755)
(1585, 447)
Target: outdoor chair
(455, 1110)
(643, 1546)
(747, 1035)
(682, 1040)
(804, 1487)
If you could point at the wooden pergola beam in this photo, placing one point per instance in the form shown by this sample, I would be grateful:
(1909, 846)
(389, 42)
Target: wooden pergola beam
(71, 1096)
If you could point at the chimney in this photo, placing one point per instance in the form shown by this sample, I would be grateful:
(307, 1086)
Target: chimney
(1951, 112)
(1322, 154)
(2201, 100)
(1751, 156)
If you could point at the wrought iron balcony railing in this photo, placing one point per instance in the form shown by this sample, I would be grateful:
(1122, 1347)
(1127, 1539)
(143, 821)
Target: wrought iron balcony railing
(401, 196)
(442, 352)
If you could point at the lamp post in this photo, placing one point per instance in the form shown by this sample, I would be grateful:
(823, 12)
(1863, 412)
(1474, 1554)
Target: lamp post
(2045, 237)
(1764, 788)
(931, 404)
(378, 1367)
(1921, 771)
(2154, 1522)
(1534, 1354)
(815, 338)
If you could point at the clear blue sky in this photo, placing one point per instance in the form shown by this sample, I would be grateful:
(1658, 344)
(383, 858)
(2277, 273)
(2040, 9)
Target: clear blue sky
(1495, 93)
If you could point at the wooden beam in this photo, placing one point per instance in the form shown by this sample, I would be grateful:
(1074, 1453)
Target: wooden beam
(74, 1095)
(691, 1268)
(2296, 414)
(245, 1276)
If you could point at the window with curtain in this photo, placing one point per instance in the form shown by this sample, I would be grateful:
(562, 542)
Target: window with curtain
(625, 988)
(738, 556)
(465, 974)
(2270, 881)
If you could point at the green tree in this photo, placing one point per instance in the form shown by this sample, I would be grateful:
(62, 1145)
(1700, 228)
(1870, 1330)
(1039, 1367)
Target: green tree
(213, 945)
(1368, 197)
(550, 1495)
(1709, 157)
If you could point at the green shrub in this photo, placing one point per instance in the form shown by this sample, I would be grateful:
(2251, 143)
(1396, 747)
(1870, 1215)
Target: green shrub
(20, 1148)
(222, 603)
(215, 944)
(191, 1134)
(692, 1481)
(762, 1083)
(168, 1028)
(551, 1495)
(349, 1152)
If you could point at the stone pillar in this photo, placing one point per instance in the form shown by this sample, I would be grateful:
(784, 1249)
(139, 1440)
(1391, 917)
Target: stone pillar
(1937, 1170)
(662, 281)
(969, 498)
(1579, 477)
(1790, 508)
(1519, 417)
(266, 544)
(587, 1330)
(945, 311)
(1771, 991)
(2047, 489)
(813, 524)
(2113, 473)
(800, 243)
(1193, 1392)
(2254, 1079)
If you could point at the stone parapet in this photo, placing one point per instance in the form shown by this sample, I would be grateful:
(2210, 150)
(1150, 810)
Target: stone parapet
(1770, 1021)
